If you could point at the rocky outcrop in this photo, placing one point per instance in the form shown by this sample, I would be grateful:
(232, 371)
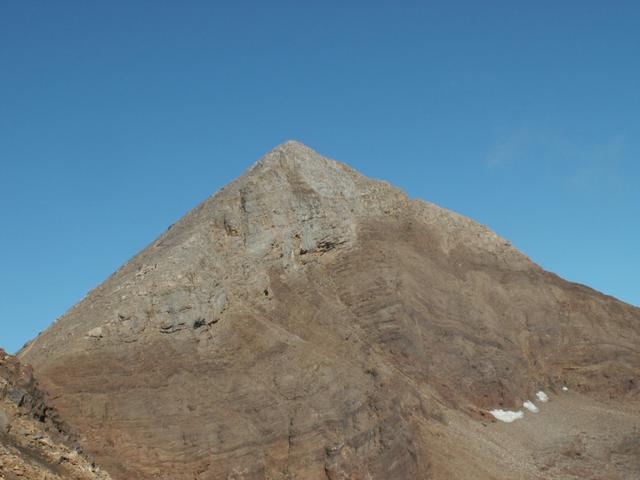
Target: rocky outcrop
(34, 443)
(306, 322)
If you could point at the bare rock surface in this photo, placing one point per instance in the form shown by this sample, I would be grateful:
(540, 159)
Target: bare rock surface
(34, 443)
(306, 322)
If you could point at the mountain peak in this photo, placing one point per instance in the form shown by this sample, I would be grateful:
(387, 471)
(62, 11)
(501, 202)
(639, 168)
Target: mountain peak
(292, 145)
(295, 156)
(308, 322)
(290, 149)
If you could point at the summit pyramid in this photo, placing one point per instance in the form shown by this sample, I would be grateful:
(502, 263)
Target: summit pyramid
(306, 322)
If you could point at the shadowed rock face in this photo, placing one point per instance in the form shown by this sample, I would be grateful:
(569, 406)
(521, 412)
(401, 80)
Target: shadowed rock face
(306, 322)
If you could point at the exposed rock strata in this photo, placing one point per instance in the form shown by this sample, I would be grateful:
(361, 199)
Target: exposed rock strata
(306, 322)
(34, 443)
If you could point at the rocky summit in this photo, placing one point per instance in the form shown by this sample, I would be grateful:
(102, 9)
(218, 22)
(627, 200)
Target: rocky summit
(306, 322)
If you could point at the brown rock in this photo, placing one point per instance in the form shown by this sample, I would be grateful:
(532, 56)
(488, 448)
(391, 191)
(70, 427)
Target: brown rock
(34, 444)
(306, 322)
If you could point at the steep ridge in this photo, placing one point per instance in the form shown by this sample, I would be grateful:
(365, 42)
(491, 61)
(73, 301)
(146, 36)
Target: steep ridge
(307, 322)
(34, 442)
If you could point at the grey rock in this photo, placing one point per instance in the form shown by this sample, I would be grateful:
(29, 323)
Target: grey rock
(349, 332)
(5, 422)
(16, 396)
(95, 333)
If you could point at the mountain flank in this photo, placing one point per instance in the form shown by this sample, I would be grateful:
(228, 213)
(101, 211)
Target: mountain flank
(306, 322)
(34, 442)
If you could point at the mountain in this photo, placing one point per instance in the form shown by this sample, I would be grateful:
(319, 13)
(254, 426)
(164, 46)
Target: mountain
(306, 322)
(34, 443)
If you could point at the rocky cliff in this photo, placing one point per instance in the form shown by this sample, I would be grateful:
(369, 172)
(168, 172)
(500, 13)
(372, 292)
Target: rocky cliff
(306, 322)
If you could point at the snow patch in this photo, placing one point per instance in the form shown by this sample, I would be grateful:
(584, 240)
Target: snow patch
(542, 396)
(506, 415)
(530, 406)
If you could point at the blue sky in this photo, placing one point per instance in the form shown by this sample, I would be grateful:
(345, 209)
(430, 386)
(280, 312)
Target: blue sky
(118, 117)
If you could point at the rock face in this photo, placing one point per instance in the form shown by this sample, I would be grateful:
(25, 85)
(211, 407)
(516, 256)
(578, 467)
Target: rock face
(34, 443)
(306, 322)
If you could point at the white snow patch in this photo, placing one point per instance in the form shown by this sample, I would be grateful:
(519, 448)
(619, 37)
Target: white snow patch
(530, 406)
(565, 389)
(542, 396)
(507, 415)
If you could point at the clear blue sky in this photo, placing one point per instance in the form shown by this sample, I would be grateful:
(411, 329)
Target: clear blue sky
(117, 117)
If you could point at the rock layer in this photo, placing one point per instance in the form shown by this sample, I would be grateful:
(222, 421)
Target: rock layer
(306, 322)
(34, 443)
